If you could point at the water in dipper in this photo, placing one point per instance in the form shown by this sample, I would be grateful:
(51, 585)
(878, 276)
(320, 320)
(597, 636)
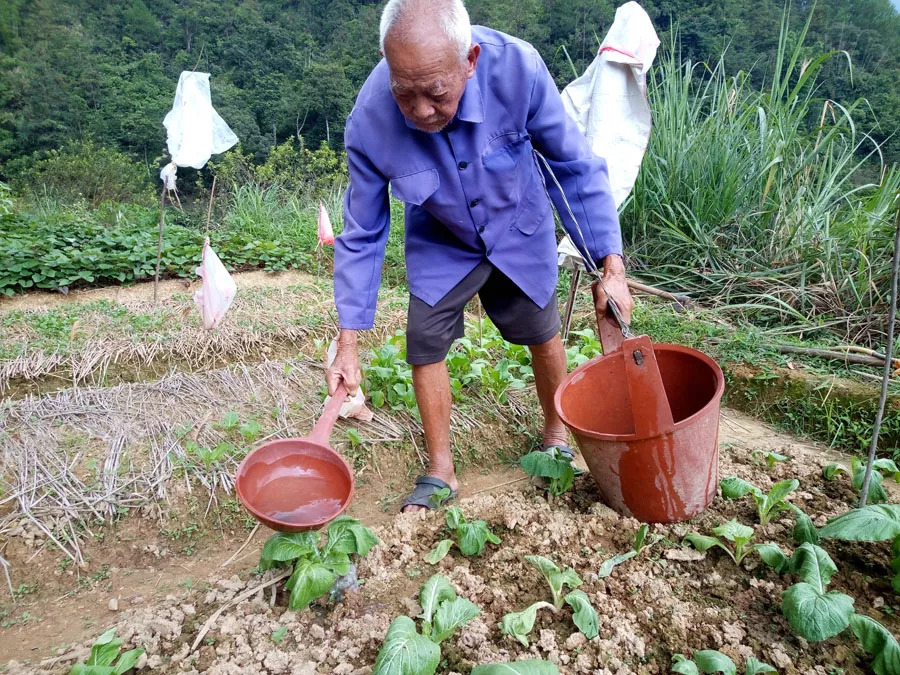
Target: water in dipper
(303, 494)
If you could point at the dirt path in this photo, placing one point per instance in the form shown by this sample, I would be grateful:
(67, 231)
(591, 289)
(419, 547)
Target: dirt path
(143, 292)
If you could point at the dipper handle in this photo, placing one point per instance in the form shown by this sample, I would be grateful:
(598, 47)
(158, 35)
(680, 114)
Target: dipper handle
(322, 431)
(611, 333)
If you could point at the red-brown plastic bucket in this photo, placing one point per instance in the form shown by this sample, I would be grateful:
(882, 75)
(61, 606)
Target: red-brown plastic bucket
(646, 418)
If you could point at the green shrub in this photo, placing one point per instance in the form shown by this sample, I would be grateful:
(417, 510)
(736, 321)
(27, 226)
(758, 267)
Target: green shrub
(83, 170)
(36, 253)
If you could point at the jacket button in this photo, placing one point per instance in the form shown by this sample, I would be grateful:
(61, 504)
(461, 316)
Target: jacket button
(474, 203)
(462, 165)
(480, 229)
(490, 250)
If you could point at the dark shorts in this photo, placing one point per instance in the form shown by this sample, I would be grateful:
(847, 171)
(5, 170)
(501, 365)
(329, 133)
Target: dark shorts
(430, 331)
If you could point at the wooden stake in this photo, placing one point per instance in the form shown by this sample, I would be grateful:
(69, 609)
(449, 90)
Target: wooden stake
(162, 222)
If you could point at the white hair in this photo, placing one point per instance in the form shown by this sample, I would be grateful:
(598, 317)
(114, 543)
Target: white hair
(452, 14)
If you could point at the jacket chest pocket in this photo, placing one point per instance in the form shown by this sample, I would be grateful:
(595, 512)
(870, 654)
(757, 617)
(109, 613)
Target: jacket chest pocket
(508, 169)
(504, 153)
(416, 188)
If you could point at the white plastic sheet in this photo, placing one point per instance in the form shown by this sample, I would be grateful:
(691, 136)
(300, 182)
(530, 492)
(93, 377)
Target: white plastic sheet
(195, 129)
(217, 289)
(609, 103)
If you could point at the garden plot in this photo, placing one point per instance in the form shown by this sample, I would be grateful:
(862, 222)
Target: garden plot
(667, 600)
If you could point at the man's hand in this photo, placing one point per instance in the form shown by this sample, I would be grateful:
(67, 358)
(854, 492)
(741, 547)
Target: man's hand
(346, 365)
(615, 283)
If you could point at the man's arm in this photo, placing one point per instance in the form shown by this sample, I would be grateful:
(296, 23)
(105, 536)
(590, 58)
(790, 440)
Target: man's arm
(358, 257)
(584, 181)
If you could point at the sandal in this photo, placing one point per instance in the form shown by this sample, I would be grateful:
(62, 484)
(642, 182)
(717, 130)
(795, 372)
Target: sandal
(424, 494)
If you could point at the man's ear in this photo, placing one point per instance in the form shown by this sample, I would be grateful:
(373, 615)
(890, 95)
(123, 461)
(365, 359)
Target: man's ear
(472, 60)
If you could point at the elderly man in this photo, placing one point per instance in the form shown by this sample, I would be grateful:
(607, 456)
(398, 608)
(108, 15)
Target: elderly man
(450, 119)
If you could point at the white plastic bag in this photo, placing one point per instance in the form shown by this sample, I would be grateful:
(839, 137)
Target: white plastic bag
(356, 406)
(217, 290)
(195, 129)
(609, 103)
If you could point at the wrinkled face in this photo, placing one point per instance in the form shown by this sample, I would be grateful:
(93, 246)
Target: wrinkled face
(428, 79)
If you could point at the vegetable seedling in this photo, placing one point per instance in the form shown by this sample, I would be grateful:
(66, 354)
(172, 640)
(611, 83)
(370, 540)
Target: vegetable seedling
(279, 634)
(767, 505)
(714, 661)
(103, 653)
(316, 569)
(879, 642)
(551, 465)
(813, 612)
(407, 651)
(519, 624)
(640, 542)
(857, 471)
(874, 522)
(733, 531)
(770, 458)
(470, 537)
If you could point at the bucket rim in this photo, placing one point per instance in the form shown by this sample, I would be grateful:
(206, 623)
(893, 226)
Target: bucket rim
(687, 421)
(282, 525)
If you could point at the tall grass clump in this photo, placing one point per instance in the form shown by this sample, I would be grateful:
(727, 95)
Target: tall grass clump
(754, 199)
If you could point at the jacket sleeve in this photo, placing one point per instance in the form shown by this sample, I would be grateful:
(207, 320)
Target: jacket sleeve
(359, 249)
(581, 174)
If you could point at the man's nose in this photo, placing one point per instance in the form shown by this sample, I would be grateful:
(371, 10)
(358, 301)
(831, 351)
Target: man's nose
(423, 109)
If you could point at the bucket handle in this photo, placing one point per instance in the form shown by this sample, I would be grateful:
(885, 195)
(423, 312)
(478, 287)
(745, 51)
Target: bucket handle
(321, 433)
(610, 324)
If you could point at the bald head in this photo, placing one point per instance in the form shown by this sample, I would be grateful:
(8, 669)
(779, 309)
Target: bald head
(428, 48)
(417, 20)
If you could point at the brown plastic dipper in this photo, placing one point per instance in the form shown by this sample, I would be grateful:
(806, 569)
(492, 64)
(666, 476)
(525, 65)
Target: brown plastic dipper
(298, 484)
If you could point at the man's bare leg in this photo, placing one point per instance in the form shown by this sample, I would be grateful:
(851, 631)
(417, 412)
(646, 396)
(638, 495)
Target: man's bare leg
(432, 387)
(548, 360)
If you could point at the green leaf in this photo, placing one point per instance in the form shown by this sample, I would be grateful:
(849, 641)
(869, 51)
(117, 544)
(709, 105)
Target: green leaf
(772, 458)
(435, 555)
(832, 470)
(734, 531)
(405, 652)
(639, 538)
(875, 522)
(519, 624)
(310, 580)
(348, 535)
(555, 578)
(450, 615)
(584, 616)
(712, 661)
(551, 465)
(127, 661)
(282, 548)
(703, 543)
(105, 649)
(774, 501)
(878, 642)
(471, 537)
(436, 590)
(895, 564)
(804, 529)
(814, 615)
(607, 566)
(279, 634)
(438, 498)
(526, 667)
(753, 667)
(82, 669)
(774, 557)
(683, 665)
(735, 488)
(454, 518)
(813, 565)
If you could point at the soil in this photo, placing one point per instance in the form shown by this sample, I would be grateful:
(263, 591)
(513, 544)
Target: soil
(667, 600)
